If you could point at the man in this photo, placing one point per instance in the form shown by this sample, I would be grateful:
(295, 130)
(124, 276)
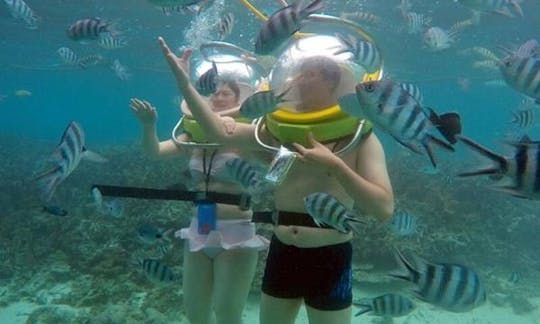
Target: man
(306, 264)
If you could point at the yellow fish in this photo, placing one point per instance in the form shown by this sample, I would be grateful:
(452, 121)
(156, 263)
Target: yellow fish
(23, 93)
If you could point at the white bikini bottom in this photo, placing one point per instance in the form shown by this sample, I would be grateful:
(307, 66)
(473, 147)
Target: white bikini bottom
(229, 234)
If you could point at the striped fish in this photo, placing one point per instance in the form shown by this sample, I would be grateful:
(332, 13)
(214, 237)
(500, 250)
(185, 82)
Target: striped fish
(156, 271)
(438, 39)
(325, 209)
(20, 10)
(387, 105)
(69, 57)
(120, 70)
(90, 60)
(389, 305)
(362, 16)
(402, 223)
(453, 287)
(207, 83)
(261, 103)
(225, 25)
(282, 24)
(89, 28)
(497, 6)
(416, 22)
(413, 90)
(523, 168)
(530, 48)
(108, 41)
(65, 159)
(522, 74)
(365, 53)
(243, 172)
(523, 118)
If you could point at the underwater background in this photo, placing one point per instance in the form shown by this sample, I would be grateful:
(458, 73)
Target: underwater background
(79, 268)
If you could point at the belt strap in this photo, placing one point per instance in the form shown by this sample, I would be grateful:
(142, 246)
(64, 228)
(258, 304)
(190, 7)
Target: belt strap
(285, 218)
(243, 200)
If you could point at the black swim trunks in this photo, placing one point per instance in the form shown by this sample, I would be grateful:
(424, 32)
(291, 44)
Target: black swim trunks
(322, 275)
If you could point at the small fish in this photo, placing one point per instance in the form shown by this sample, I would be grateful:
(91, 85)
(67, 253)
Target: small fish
(243, 173)
(184, 6)
(495, 6)
(90, 60)
(55, 210)
(486, 53)
(113, 208)
(530, 48)
(120, 70)
(453, 287)
(389, 305)
(362, 16)
(439, 39)
(65, 159)
(207, 83)
(402, 223)
(522, 74)
(151, 234)
(23, 93)
(20, 10)
(486, 65)
(522, 168)
(225, 25)
(391, 108)
(261, 103)
(282, 24)
(89, 28)
(69, 57)
(365, 53)
(416, 22)
(523, 118)
(325, 209)
(108, 41)
(156, 271)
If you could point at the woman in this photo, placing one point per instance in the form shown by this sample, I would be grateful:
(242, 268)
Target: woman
(218, 266)
(307, 264)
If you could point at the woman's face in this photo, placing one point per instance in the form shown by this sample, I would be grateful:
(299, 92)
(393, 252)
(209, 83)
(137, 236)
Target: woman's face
(223, 99)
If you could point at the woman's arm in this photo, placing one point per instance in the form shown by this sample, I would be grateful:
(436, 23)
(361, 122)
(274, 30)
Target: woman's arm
(216, 129)
(147, 116)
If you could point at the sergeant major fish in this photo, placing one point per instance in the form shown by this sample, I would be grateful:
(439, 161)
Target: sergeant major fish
(453, 287)
(388, 305)
(157, 271)
(65, 159)
(243, 172)
(365, 53)
(151, 234)
(89, 28)
(19, 9)
(523, 168)
(325, 209)
(394, 110)
(522, 73)
(402, 223)
(207, 82)
(282, 24)
(261, 103)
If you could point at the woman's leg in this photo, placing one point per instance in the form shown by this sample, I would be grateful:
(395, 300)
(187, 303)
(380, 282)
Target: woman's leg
(279, 310)
(197, 286)
(317, 316)
(233, 274)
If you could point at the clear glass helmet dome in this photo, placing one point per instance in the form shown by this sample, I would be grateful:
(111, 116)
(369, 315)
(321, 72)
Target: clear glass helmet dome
(319, 37)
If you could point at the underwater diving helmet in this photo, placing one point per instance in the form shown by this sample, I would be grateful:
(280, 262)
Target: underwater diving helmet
(317, 38)
(231, 64)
